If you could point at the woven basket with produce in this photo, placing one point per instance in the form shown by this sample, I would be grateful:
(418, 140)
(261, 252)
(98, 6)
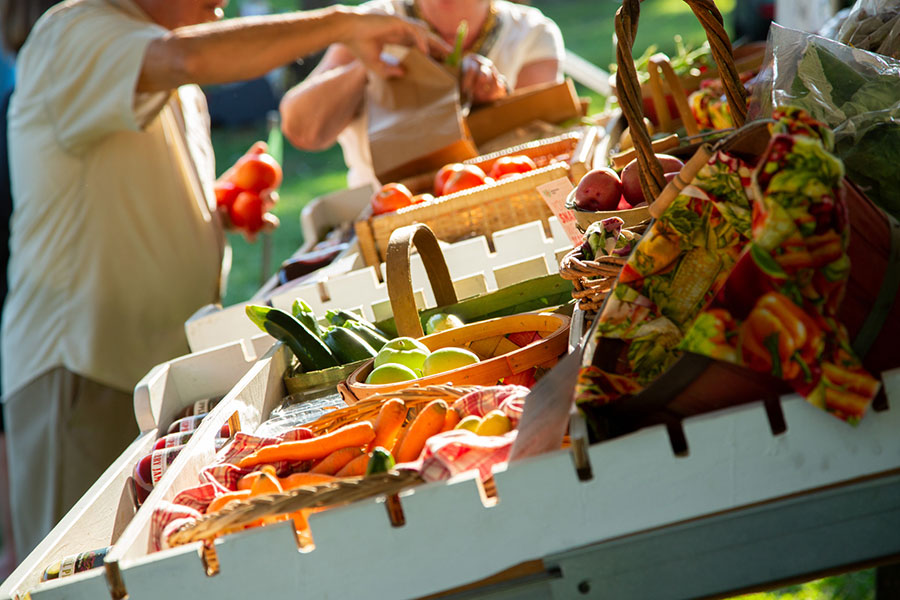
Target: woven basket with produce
(462, 200)
(625, 186)
(379, 447)
(509, 349)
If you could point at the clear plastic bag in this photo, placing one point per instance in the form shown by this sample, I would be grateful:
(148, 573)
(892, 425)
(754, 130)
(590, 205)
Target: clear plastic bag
(873, 25)
(855, 92)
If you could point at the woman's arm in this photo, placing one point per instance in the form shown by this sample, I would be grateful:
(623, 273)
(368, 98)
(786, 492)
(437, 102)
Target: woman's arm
(317, 109)
(539, 71)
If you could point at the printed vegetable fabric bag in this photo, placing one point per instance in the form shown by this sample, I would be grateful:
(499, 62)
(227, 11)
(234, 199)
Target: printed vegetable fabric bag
(746, 266)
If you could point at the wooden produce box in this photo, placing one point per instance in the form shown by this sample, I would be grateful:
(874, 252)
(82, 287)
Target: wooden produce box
(102, 514)
(550, 103)
(736, 468)
(485, 209)
(516, 254)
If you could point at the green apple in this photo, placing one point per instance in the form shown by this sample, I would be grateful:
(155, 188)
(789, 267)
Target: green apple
(441, 322)
(405, 351)
(390, 373)
(447, 359)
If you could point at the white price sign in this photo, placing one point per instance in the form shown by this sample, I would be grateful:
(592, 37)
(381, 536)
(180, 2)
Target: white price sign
(554, 194)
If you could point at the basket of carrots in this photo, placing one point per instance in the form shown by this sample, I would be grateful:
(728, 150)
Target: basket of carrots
(362, 451)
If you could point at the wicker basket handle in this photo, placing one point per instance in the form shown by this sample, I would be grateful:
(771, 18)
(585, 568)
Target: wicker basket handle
(629, 91)
(399, 277)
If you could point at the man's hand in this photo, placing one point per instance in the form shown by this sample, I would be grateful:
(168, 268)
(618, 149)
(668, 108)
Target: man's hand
(481, 82)
(368, 33)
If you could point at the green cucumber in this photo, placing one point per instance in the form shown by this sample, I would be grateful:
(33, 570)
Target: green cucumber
(348, 347)
(376, 340)
(312, 353)
(304, 313)
(381, 461)
(340, 317)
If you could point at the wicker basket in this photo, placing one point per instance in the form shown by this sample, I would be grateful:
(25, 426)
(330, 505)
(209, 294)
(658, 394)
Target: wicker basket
(501, 358)
(487, 208)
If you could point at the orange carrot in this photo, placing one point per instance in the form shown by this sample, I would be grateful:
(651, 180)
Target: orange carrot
(219, 502)
(296, 480)
(355, 434)
(355, 467)
(266, 483)
(451, 419)
(332, 463)
(429, 422)
(387, 425)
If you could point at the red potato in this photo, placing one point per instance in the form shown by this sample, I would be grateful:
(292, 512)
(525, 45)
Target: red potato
(631, 182)
(598, 190)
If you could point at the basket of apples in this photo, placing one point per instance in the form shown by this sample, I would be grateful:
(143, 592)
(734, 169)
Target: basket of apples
(511, 349)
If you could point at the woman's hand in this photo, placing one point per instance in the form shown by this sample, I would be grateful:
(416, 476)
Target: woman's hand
(481, 82)
(368, 33)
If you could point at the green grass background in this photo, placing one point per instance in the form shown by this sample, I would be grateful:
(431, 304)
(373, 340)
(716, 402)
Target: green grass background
(587, 26)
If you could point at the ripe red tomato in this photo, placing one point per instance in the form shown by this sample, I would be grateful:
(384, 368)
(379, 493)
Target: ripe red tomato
(440, 179)
(391, 197)
(247, 212)
(257, 173)
(468, 176)
(509, 165)
(226, 192)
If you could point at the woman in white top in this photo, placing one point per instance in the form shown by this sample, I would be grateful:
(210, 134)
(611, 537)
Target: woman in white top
(508, 46)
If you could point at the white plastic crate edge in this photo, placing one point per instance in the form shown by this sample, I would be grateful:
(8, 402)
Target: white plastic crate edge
(94, 522)
(360, 289)
(734, 462)
(210, 373)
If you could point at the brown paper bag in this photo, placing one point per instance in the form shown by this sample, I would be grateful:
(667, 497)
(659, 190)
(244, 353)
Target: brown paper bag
(415, 122)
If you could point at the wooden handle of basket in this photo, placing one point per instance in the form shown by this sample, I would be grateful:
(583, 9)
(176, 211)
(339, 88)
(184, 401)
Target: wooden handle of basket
(660, 69)
(629, 90)
(399, 277)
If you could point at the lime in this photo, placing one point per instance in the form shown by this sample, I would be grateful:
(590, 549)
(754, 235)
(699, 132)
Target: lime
(441, 322)
(390, 373)
(447, 359)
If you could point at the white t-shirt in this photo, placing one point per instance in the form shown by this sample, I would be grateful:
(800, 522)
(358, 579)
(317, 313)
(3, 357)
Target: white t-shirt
(524, 35)
(115, 240)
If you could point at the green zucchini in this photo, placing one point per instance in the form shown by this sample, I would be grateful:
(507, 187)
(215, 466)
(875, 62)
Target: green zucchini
(348, 347)
(312, 353)
(304, 313)
(376, 340)
(340, 317)
(381, 461)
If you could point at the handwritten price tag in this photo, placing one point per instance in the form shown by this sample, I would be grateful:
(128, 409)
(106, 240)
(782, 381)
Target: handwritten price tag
(554, 194)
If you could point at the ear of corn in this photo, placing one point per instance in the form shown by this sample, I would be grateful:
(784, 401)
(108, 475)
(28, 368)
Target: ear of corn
(694, 276)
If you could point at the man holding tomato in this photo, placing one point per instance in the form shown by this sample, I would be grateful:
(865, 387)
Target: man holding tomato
(116, 238)
(507, 46)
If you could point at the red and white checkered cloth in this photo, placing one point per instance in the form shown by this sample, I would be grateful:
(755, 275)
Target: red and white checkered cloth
(457, 451)
(445, 455)
(216, 479)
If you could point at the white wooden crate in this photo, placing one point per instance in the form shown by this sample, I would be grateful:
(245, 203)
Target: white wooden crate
(543, 508)
(520, 253)
(102, 514)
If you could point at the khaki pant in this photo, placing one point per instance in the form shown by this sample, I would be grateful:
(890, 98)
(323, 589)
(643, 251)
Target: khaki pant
(62, 432)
